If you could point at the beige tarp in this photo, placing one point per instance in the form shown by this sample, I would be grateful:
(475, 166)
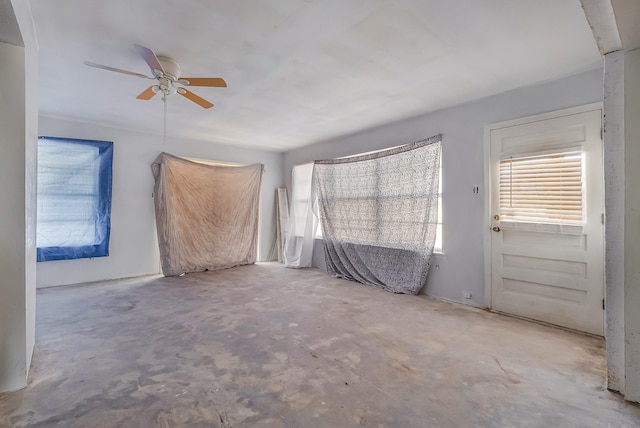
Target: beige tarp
(206, 215)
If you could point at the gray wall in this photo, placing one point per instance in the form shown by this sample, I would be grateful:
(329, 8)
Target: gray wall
(461, 266)
(133, 244)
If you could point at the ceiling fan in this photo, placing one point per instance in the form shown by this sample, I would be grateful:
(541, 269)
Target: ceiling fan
(167, 72)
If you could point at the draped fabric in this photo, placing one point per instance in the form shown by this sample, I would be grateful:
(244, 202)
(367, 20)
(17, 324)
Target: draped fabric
(303, 218)
(206, 215)
(379, 215)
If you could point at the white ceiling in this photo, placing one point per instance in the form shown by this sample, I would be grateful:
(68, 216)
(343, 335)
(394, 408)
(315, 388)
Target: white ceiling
(628, 22)
(300, 71)
(9, 30)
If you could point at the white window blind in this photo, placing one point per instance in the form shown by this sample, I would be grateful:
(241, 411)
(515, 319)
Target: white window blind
(545, 189)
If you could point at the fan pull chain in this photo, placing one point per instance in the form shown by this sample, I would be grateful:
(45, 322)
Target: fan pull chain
(164, 135)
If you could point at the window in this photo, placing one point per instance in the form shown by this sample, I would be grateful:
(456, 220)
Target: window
(302, 191)
(302, 178)
(543, 189)
(74, 198)
(437, 247)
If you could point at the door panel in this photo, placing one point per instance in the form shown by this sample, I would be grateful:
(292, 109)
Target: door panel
(547, 247)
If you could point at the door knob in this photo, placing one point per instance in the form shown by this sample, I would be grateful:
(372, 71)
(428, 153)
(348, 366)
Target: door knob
(496, 229)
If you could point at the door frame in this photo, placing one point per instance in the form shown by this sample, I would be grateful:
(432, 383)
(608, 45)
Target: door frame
(488, 185)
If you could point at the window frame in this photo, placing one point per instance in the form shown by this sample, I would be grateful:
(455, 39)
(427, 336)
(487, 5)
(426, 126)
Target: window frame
(439, 222)
(104, 187)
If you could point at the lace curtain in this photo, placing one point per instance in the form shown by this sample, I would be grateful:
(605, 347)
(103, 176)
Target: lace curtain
(379, 215)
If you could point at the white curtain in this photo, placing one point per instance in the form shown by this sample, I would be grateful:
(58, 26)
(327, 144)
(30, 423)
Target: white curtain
(303, 218)
(282, 221)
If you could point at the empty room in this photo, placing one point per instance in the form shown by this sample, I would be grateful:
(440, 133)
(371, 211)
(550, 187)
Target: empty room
(319, 213)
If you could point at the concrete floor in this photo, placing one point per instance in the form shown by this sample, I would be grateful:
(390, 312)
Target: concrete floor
(266, 346)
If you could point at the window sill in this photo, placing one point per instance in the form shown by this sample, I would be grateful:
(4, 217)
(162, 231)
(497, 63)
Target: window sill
(438, 252)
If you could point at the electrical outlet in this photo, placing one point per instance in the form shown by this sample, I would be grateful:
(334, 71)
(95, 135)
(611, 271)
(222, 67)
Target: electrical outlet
(466, 294)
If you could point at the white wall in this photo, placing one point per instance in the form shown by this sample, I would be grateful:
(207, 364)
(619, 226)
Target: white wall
(133, 244)
(461, 268)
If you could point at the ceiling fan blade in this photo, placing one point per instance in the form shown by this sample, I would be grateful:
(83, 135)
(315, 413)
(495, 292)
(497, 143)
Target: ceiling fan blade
(213, 82)
(196, 99)
(151, 59)
(148, 93)
(117, 70)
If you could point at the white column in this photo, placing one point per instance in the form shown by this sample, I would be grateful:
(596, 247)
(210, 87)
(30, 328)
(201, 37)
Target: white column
(614, 207)
(622, 200)
(18, 175)
(632, 224)
(13, 317)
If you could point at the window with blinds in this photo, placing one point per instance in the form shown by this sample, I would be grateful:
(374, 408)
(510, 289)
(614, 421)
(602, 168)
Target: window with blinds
(544, 189)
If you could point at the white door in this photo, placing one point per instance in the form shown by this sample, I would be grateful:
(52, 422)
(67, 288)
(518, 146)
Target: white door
(547, 238)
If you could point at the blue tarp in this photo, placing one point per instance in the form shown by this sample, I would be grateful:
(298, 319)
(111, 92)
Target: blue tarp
(74, 198)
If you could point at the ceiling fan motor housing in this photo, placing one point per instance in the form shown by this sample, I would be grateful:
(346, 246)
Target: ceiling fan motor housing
(171, 67)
